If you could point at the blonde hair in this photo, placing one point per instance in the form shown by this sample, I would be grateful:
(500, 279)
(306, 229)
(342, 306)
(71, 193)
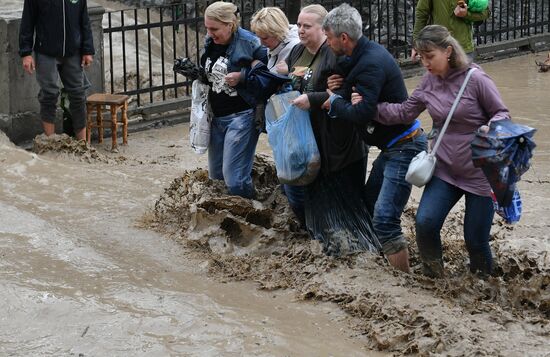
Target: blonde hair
(224, 12)
(270, 21)
(316, 9)
(437, 36)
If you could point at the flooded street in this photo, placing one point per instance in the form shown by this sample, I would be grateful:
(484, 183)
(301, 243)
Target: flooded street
(78, 277)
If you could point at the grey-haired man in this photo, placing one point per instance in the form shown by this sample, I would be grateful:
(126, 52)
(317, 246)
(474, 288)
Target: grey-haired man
(371, 70)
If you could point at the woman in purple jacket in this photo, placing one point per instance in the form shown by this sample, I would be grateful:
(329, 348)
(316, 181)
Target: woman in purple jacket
(455, 175)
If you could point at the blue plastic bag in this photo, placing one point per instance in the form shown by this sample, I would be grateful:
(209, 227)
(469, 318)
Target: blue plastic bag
(291, 138)
(504, 154)
(510, 213)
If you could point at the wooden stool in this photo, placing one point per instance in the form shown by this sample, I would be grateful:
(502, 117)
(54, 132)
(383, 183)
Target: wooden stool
(114, 101)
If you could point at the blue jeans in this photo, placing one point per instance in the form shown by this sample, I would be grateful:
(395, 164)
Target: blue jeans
(233, 140)
(296, 198)
(387, 192)
(437, 200)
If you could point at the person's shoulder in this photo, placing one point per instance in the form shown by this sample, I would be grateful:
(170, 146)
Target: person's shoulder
(479, 75)
(245, 35)
(478, 71)
(375, 51)
(296, 51)
(376, 55)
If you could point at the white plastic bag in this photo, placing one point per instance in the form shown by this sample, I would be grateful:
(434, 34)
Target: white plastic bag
(201, 117)
(421, 169)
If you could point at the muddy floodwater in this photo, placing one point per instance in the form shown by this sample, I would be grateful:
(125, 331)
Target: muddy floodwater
(137, 253)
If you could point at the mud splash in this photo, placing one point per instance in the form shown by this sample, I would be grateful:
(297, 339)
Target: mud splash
(62, 144)
(260, 240)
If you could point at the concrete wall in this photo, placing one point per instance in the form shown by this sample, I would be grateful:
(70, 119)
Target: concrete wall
(19, 107)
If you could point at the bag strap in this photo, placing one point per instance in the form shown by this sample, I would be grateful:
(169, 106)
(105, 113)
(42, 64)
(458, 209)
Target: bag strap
(451, 112)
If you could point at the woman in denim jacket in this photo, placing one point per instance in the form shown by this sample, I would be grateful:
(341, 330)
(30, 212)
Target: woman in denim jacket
(230, 52)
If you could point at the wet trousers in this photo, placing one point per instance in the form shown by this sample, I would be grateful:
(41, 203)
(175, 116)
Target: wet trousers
(48, 72)
(296, 198)
(233, 140)
(436, 202)
(387, 192)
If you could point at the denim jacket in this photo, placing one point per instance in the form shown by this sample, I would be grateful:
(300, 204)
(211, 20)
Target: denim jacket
(243, 49)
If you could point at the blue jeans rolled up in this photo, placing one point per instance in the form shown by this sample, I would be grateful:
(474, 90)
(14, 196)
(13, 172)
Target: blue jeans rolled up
(387, 192)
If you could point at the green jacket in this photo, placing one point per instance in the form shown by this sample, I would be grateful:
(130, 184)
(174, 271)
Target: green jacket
(441, 12)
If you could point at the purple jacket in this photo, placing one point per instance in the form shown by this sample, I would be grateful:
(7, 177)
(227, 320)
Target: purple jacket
(480, 103)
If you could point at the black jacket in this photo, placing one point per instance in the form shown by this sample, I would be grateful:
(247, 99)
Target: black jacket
(57, 28)
(376, 76)
(337, 140)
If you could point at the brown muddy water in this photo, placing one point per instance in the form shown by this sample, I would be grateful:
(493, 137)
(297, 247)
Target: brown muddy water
(81, 274)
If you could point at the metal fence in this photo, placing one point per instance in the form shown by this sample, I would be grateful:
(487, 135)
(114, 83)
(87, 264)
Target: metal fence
(140, 45)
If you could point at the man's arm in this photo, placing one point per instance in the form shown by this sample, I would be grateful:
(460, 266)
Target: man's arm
(316, 99)
(423, 13)
(369, 85)
(87, 46)
(260, 53)
(26, 29)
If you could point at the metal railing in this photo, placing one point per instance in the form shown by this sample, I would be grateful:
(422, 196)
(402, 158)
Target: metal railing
(513, 19)
(141, 44)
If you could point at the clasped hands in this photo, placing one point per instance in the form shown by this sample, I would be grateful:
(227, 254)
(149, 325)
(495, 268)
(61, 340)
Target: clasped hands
(334, 82)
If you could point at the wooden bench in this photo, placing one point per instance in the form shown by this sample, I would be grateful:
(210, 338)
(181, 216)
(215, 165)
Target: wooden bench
(114, 102)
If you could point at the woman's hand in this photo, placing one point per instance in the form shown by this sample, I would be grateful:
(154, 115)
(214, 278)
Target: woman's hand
(282, 68)
(299, 71)
(484, 129)
(232, 79)
(335, 81)
(302, 102)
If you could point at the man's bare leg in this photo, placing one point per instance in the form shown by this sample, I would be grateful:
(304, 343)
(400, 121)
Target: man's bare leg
(49, 128)
(400, 260)
(81, 134)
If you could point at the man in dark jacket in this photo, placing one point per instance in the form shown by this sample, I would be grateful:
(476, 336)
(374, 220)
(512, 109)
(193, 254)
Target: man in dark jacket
(59, 33)
(373, 72)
